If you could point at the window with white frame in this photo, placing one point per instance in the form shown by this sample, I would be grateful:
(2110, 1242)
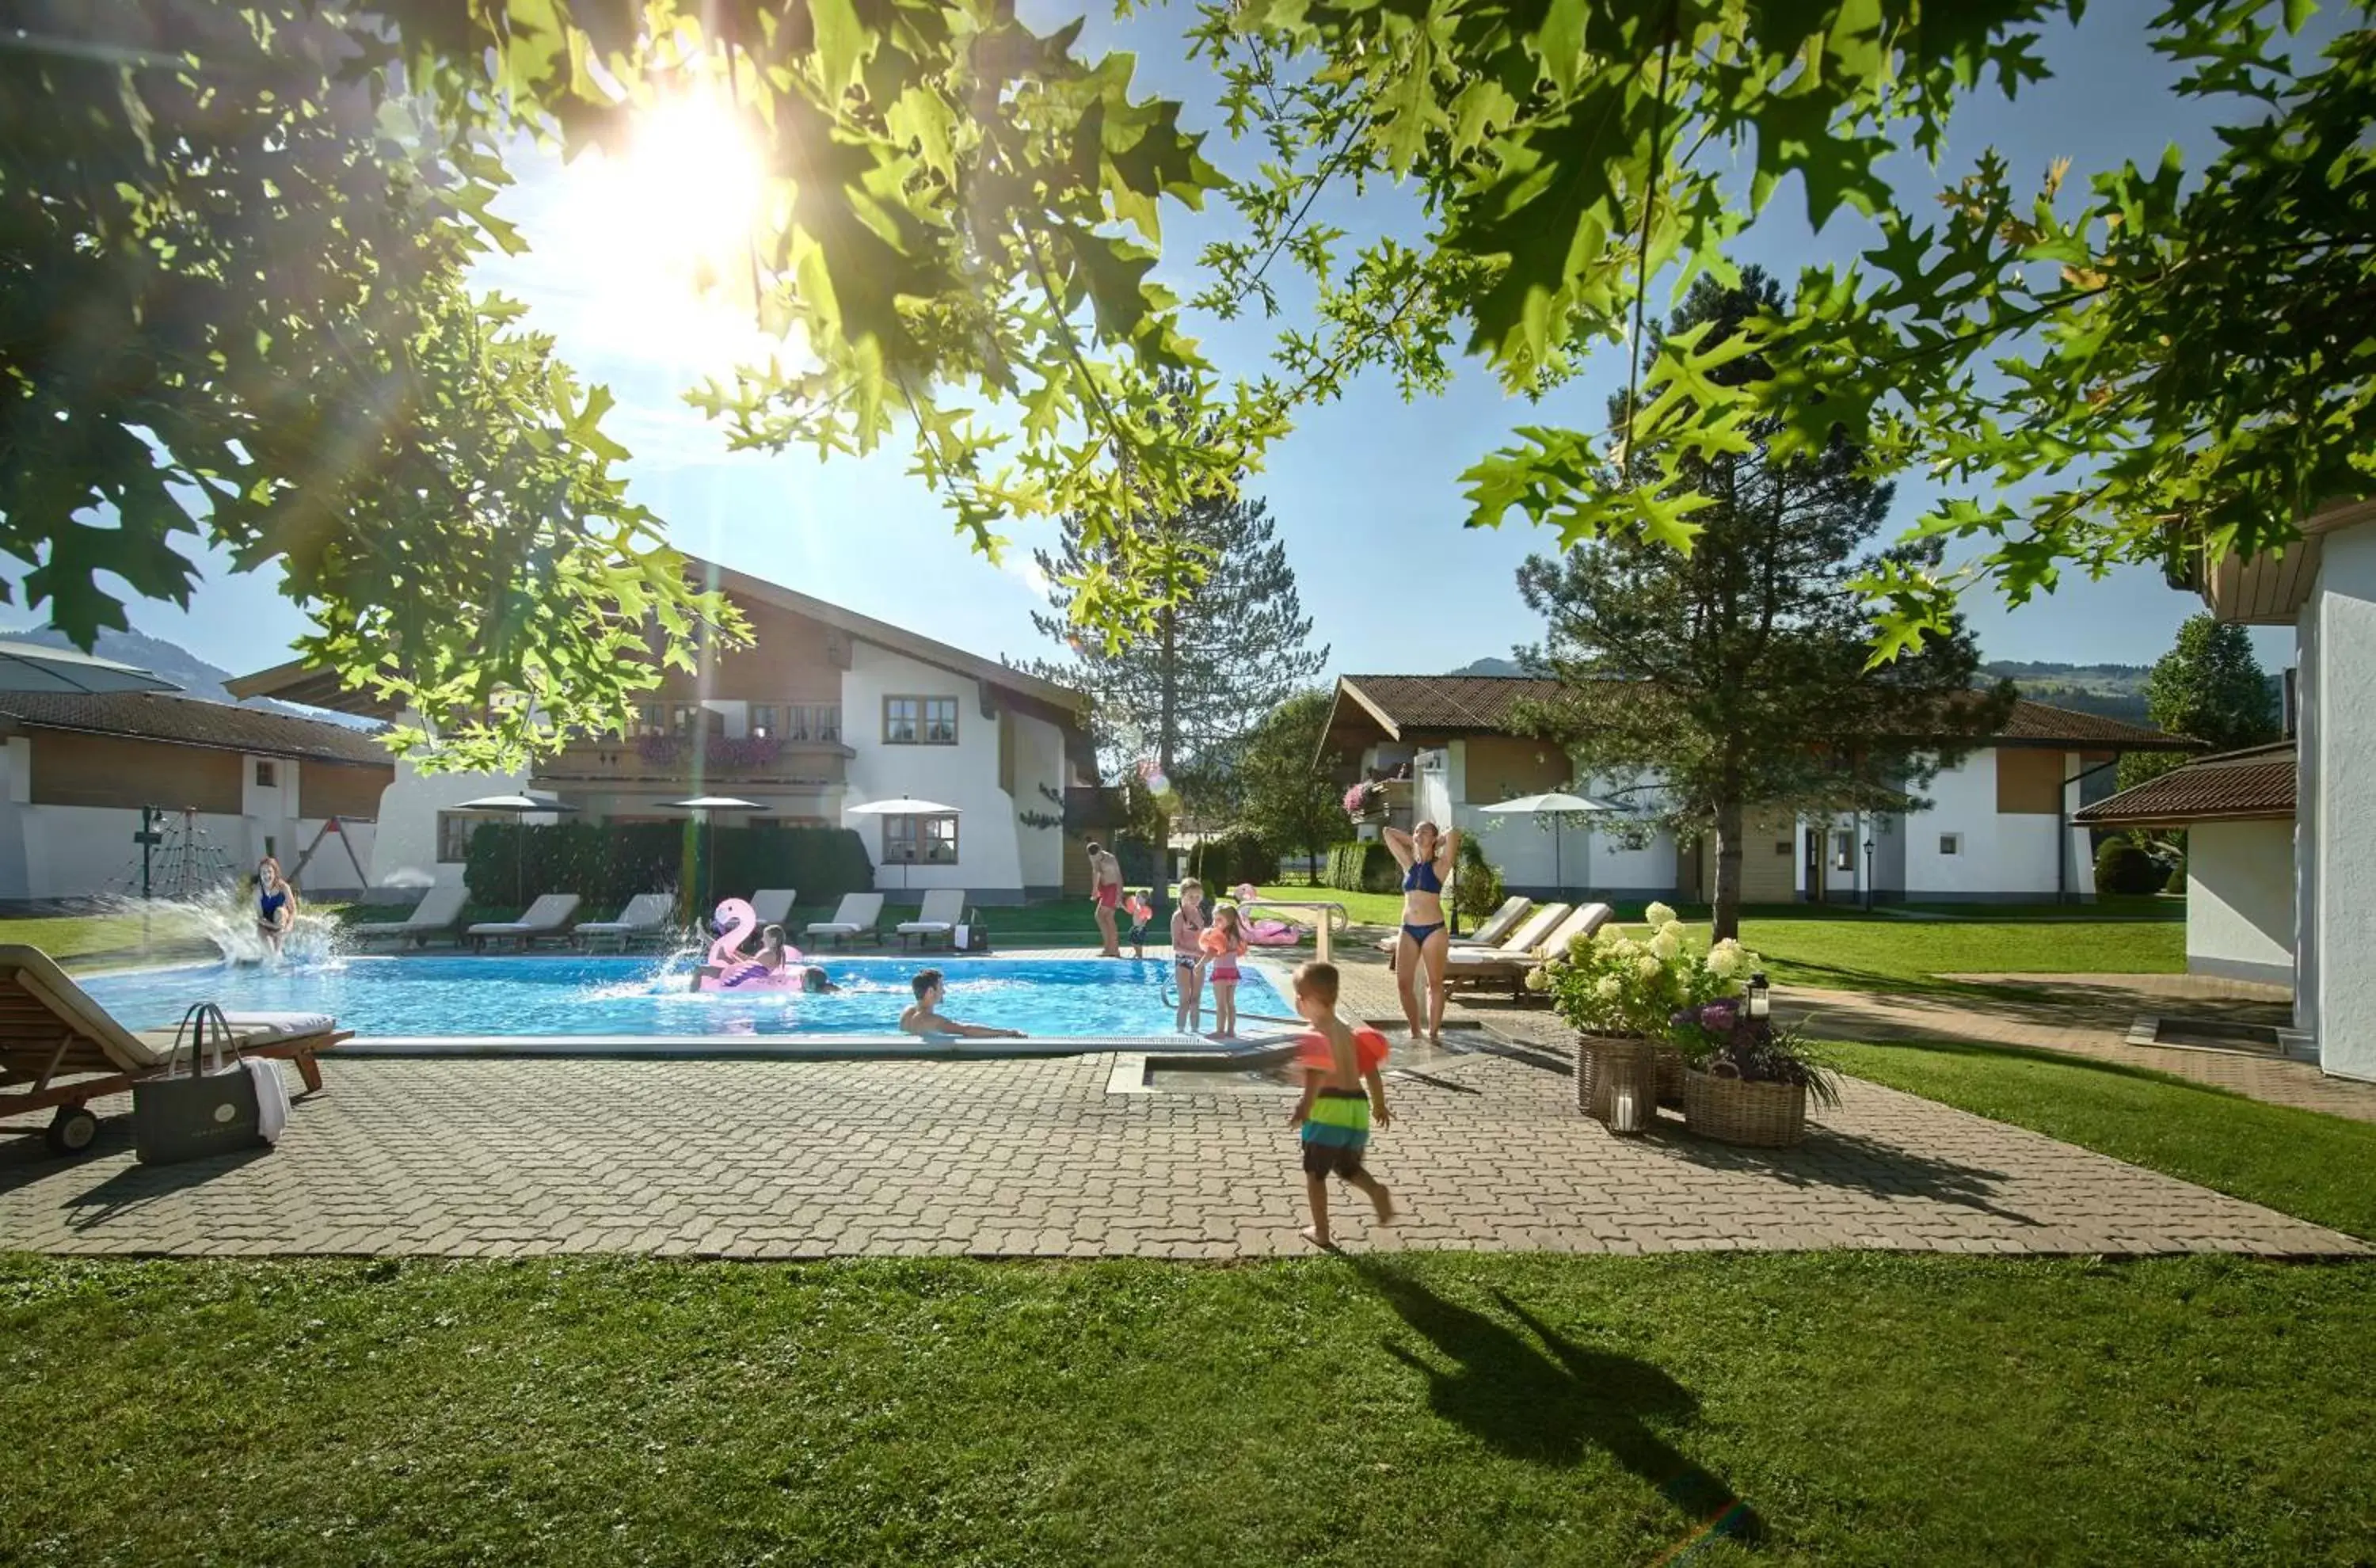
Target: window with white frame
(1844, 852)
(920, 722)
(763, 720)
(920, 840)
(1951, 843)
(824, 722)
(453, 830)
(267, 776)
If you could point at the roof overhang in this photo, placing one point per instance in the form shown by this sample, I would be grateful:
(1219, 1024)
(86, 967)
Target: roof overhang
(2270, 588)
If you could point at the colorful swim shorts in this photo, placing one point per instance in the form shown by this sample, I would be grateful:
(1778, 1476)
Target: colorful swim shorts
(1336, 1132)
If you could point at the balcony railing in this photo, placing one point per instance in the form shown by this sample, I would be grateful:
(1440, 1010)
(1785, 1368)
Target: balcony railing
(676, 758)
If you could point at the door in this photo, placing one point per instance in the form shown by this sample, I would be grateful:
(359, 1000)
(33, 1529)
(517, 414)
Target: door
(1814, 851)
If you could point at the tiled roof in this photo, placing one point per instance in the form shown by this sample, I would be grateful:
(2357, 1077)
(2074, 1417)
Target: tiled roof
(2037, 722)
(189, 722)
(1438, 703)
(2257, 783)
(1448, 702)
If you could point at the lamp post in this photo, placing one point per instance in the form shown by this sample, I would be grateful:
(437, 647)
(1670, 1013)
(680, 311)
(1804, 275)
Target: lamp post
(1868, 876)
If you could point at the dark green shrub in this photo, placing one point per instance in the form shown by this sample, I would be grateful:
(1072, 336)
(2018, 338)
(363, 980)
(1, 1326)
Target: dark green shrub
(2122, 866)
(2177, 882)
(1232, 857)
(1477, 892)
(1363, 866)
(608, 863)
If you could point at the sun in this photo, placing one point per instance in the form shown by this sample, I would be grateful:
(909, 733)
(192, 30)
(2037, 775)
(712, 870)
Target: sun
(686, 195)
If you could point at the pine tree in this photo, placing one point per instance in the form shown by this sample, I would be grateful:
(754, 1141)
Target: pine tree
(2208, 687)
(1182, 697)
(1734, 677)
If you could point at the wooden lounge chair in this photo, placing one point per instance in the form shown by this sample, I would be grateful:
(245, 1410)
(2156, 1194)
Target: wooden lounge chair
(1493, 933)
(858, 914)
(548, 916)
(646, 918)
(773, 906)
(59, 1048)
(1510, 963)
(944, 907)
(434, 916)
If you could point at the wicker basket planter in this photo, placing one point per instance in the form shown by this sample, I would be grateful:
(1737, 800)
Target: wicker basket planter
(1671, 1070)
(1594, 1055)
(1734, 1111)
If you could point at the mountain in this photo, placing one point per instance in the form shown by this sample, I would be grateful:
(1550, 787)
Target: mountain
(175, 663)
(1491, 666)
(2115, 691)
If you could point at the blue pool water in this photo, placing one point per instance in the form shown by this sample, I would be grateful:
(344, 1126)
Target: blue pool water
(1056, 998)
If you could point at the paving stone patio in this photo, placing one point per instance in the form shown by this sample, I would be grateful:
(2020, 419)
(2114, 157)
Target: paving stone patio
(786, 1160)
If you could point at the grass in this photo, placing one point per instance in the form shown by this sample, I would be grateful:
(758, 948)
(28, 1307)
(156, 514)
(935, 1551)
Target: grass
(2306, 1163)
(1877, 953)
(1837, 1408)
(95, 941)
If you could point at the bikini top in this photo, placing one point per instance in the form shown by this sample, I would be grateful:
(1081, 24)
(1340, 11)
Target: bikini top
(1421, 878)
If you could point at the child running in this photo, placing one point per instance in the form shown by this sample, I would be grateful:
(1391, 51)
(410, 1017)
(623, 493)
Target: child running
(1343, 1093)
(1227, 942)
(1187, 963)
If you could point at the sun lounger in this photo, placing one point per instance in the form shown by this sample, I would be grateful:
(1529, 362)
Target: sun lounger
(434, 916)
(1496, 930)
(944, 907)
(548, 916)
(646, 918)
(773, 906)
(1510, 963)
(59, 1048)
(858, 914)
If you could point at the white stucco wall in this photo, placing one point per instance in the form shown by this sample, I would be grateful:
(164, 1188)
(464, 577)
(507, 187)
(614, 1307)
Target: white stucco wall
(1576, 860)
(2239, 900)
(1039, 760)
(964, 776)
(405, 845)
(2342, 804)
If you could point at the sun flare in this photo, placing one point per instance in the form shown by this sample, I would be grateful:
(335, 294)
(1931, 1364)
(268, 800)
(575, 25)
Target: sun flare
(688, 191)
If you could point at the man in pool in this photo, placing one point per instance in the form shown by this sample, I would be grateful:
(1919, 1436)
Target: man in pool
(924, 1017)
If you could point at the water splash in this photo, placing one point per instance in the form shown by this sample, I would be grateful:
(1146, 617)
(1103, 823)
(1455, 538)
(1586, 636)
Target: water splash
(224, 917)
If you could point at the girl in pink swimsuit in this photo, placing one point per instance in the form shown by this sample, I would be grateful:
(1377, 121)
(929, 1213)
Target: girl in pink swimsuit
(1227, 942)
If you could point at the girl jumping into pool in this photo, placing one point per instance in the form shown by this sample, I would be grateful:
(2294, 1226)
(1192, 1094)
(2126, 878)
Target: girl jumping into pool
(1187, 956)
(1427, 859)
(276, 906)
(1226, 944)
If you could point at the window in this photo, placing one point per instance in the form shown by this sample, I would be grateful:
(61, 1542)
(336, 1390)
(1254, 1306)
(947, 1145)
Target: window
(926, 841)
(763, 720)
(826, 722)
(684, 718)
(267, 776)
(1951, 843)
(1782, 845)
(917, 721)
(650, 718)
(453, 830)
(796, 722)
(1844, 852)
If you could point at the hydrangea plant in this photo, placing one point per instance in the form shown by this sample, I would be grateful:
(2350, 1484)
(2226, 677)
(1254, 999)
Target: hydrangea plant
(1653, 986)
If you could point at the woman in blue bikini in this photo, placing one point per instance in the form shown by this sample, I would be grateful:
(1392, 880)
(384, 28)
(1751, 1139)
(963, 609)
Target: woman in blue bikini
(1427, 859)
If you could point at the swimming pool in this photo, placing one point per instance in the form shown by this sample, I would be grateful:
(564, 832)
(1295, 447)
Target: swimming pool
(475, 997)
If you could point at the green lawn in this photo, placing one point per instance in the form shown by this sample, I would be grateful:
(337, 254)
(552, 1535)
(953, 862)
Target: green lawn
(2302, 1162)
(1878, 952)
(1840, 1409)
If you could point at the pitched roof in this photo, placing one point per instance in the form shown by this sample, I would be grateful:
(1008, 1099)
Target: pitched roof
(2255, 782)
(298, 681)
(186, 721)
(1444, 702)
(1456, 704)
(2036, 723)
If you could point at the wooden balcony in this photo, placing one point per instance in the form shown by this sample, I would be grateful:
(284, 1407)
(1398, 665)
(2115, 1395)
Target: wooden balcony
(673, 761)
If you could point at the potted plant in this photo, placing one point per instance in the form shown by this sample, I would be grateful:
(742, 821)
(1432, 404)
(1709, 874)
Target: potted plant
(1626, 996)
(1366, 801)
(1749, 1080)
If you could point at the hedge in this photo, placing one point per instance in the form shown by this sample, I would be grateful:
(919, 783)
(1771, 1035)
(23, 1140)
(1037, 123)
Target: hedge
(2122, 866)
(1364, 865)
(1240, 856)
(608, 864)
(1478, 891)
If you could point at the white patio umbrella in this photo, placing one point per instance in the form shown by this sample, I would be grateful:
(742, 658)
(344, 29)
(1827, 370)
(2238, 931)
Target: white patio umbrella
(905, 805)
(1559, 809)
(701, 806)
(519, 808)
(35, 667)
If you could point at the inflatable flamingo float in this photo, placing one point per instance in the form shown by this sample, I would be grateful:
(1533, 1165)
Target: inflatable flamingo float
(1264, 934)
(727, 970)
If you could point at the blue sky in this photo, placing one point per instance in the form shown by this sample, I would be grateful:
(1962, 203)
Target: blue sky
(1366, 492)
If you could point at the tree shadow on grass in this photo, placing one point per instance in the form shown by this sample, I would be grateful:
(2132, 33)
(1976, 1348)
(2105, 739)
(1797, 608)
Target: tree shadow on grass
(1540, 1396)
